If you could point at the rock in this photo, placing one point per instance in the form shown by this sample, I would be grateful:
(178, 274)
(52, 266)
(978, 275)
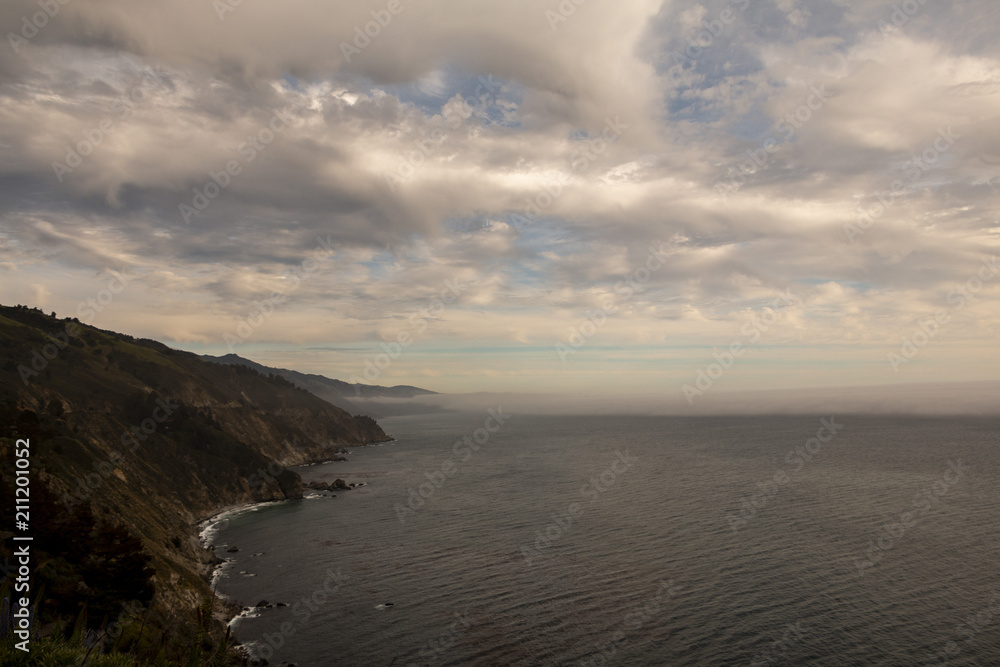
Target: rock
(339, 484)
(318, 485)
(232, 550)
(281, 604)
(264, 604)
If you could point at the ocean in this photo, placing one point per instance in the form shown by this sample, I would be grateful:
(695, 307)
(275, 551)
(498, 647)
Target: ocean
(496, 539)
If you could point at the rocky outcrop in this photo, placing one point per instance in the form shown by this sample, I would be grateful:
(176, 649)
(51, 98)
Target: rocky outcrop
(158, 439)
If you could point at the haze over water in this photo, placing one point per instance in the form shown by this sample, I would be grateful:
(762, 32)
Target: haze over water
(876, 547)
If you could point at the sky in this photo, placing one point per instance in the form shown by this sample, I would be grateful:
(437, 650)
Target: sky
(651, 196)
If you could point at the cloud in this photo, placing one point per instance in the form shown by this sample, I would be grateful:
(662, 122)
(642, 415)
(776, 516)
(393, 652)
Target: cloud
(534, 159)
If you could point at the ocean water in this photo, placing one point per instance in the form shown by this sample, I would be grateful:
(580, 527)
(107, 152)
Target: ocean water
(635, 541)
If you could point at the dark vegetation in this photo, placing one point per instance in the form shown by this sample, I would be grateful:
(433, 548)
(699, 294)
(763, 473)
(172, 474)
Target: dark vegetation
(132, 444)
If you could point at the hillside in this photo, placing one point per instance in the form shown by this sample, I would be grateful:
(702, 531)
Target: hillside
(356, 398)
(152, 440)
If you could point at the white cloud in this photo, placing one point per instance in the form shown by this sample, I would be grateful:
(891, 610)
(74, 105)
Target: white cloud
(406, 105)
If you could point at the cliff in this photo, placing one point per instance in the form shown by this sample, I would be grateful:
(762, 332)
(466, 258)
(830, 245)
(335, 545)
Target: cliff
(155, 439)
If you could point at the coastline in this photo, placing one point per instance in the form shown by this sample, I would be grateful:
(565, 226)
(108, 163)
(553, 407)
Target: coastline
(231, 609)
(208, 530)
(211, 524)
(208, 527)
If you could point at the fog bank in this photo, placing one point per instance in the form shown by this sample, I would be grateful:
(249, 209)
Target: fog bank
(971, 398)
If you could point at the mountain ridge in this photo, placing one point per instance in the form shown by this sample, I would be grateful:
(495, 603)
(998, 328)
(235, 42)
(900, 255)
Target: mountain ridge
(345, 395)
(154, 440)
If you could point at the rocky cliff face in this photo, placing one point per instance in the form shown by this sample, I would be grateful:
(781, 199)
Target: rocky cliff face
(154, 438)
